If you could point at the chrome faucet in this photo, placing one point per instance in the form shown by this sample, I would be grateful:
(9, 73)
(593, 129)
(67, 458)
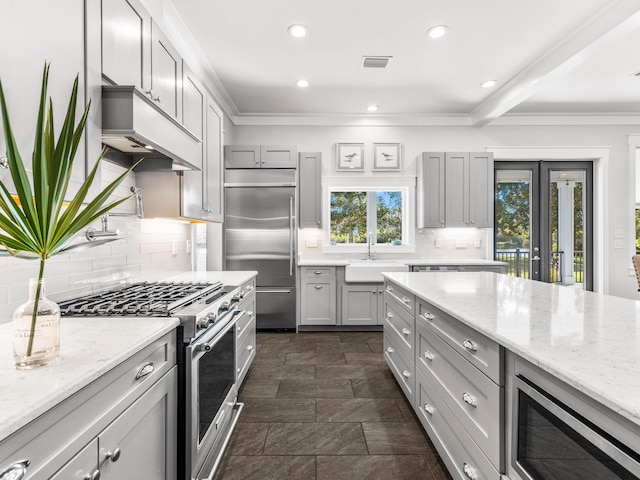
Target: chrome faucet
(93, 234)
(369, 244)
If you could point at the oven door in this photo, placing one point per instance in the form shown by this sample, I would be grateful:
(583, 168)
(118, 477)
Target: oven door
(550, 441)
(211, 391)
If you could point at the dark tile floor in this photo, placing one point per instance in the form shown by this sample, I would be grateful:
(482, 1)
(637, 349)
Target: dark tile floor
(325, 406)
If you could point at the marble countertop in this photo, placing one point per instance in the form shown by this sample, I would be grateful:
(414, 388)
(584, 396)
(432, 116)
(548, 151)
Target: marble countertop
(306, 262)
(588, 340)
(89, 348)
(226, 277)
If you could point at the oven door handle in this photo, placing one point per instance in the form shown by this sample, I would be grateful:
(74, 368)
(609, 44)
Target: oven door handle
(207, 346)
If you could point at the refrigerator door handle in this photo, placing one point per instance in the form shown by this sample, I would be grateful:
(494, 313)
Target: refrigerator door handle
(274, 290)
(291, 235)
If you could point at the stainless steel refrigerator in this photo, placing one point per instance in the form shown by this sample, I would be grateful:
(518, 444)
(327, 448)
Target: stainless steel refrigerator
(260, 234)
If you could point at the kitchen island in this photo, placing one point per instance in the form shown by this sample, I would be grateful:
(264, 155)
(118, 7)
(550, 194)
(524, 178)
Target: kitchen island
(481, 326)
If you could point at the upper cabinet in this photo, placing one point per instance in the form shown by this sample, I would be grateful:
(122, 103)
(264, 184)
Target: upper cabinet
(455, 190)
(126, 43)
(213, 171)
(310, 172)
(260, 156)
(194, 100)
(166, 74)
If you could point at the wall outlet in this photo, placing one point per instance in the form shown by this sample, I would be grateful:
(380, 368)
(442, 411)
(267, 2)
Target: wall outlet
(311, 243)
(618, 244)
(617, 233)
(476, 243)
(438, 243)
(174, 247)
(461, 244)
(188, 246)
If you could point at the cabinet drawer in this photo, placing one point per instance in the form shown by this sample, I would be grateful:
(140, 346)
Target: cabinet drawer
(401, 296)
(401, 323)
(457, 449)
(246, 350)
(483, 352)
(401, 366)
(244, 324)
(248, 287)
(318, 272)
(472, 397)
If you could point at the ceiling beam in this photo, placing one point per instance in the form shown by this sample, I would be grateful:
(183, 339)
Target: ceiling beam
(616, 16)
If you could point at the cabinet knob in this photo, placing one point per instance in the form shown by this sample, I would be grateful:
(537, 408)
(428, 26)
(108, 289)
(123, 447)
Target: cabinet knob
(317, 272)
(406, 374)
(113, 456)
(429, 356)
(149, 92)
(428, 316)
(470, 399)
(318, 287)
(429, 408)
(389, 288)
(95, 475)
(144, 370)
(390, 350)
(249, 313)
(405, 299)
(249, 347)
(158, 99)
(389, 315)
(469, 471)
(406, 331)
(15, 471)
(470, 345)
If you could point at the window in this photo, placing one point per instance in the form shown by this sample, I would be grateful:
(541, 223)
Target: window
(355, 212)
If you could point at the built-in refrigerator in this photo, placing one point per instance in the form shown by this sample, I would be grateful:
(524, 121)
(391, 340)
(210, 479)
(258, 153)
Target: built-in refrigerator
(260, 234)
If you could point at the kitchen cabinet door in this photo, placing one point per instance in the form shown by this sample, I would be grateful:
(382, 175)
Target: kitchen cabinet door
(54, 33)
(431, 201)
(166, 73)
(84, 466)
(126, 43)
(318, 296)
(481, 190)
(242, 156)
(141, 442)
(360, 304)
(278, 156)
(456, 190)
(310, 171)
(194, 100)
(213, 170)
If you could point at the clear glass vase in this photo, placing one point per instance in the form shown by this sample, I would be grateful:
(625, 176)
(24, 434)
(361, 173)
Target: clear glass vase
(36, 344)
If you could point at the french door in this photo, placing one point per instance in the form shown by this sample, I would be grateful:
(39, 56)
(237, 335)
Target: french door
(544, 220)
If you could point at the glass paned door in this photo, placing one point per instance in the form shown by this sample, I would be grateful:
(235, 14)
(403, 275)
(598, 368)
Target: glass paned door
(544, 221)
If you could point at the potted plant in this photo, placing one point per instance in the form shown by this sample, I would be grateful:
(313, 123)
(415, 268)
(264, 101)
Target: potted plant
(38, 223)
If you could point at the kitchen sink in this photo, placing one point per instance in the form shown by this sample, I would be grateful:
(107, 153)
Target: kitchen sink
(370, 271)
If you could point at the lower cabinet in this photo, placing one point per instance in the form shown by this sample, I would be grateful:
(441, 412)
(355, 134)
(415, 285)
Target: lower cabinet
(362, 304)
(246, 332)
(122, 426)
(318, 296)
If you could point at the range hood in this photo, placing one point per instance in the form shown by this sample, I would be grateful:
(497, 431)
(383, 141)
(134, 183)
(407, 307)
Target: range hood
(137, 128)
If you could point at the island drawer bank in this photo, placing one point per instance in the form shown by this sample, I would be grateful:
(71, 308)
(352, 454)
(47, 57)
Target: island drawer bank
(547, 354)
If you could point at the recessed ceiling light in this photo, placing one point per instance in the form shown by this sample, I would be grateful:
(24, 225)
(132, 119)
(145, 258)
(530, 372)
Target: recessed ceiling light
(297, 30)
(489, 84)
(372, 108)
(437, 31)
(302, 83)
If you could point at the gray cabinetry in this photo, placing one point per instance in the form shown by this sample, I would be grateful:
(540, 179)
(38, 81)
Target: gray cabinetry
(310, 174)
(318, 296)
(123, 410)
(194, 99)
(260, 156)
(360, 304)
(246, 331)
(166, 73)
(455, 190)
(213, 170)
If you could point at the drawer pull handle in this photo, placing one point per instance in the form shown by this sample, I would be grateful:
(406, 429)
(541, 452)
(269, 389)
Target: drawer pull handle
(429, 356)
(318, 287)
(250, 313)
(406, 300)
(16, 471)
(469, 471)
(95, 475)
(113, 456)
(428, 316)
(470, 399)
(317, 272)
(145, 370)
(406, 374)
(389, 315)
(470, 345)
(390, 350)
(406, 331)
(429, 408)
(249, 347)
(389, 288)
(249, 288)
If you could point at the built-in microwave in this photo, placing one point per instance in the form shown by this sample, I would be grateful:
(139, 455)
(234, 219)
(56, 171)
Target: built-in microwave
(557, 433)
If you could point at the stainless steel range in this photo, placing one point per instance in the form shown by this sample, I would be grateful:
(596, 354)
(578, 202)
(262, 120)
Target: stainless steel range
(207, 393)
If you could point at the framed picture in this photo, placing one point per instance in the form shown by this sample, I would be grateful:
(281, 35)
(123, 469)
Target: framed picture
(350, 156)
(387, 156)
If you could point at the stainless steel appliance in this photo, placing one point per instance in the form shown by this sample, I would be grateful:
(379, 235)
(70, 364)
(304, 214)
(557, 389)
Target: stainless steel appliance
(556, 434)
(260, 235)
(207, 395)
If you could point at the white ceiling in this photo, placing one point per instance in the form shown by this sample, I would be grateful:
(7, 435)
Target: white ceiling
(549, 56)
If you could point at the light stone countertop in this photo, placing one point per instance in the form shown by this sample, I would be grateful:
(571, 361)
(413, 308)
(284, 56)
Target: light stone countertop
(89, 348)
(226, 277)
(341, 262)
(588, 340)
